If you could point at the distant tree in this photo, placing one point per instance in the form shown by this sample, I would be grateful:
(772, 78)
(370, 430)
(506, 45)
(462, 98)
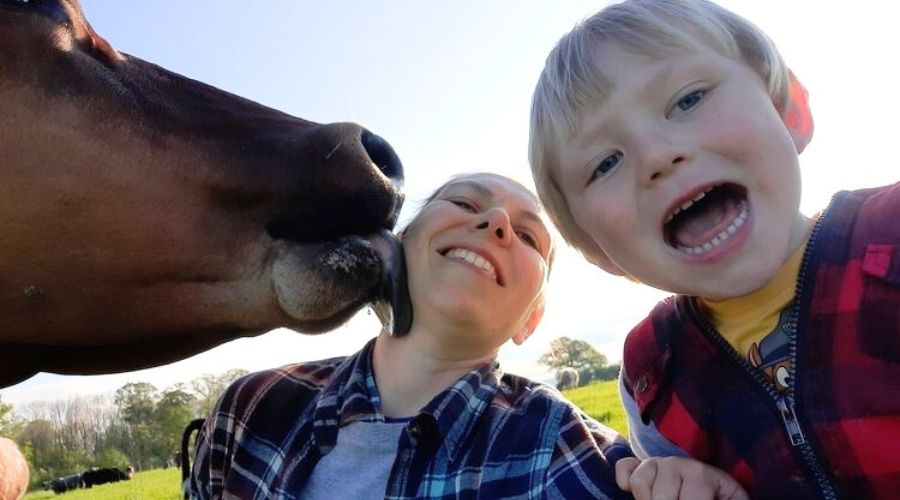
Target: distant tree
(10, 424)
(41, 440)
(137, 405)
(209, 387)
(608, 372)
(573, 353)
(137, 402)
(173, 412)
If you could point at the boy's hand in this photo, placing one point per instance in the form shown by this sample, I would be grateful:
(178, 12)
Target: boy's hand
(670, 478)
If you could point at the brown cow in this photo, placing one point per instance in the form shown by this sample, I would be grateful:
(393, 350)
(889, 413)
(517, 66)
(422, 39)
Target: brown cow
(145, 217)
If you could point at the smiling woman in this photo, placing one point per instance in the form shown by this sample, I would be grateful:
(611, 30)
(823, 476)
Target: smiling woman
(428, 413)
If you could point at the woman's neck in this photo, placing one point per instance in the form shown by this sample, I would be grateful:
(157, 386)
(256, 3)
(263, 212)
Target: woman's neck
(411, 370)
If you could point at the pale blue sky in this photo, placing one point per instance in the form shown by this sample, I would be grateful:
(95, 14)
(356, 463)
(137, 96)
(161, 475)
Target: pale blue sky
(449, 85)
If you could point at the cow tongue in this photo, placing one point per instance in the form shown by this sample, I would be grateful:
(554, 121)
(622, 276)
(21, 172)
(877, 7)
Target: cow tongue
(392, 304)
(703, 221)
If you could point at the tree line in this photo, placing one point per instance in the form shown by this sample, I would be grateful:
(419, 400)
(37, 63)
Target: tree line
(138, 425)
(142, 426)
(590, 364)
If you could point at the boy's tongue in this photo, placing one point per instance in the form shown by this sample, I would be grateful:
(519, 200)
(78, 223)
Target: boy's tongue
(702, 222)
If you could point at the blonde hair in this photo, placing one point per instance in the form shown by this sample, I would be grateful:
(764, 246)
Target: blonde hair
(573, 82)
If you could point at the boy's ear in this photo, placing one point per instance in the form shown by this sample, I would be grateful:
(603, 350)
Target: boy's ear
(797, 115)
(536, 315)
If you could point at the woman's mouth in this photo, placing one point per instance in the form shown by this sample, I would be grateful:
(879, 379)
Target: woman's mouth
(474, 259)
(707, 220)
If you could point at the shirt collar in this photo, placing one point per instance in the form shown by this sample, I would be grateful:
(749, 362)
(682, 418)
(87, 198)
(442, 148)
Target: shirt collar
(352, 396)
(457, 410)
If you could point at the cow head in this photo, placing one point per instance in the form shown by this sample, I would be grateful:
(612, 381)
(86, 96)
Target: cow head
(146, 217)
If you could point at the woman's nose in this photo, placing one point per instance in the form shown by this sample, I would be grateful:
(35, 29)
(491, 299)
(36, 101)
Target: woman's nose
(496, 222)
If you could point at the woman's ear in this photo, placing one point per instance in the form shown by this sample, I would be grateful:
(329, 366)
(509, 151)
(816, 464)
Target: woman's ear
(536, 315)
(797, 115)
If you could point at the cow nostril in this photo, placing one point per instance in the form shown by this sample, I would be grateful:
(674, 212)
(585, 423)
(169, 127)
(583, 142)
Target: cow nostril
(383, 155)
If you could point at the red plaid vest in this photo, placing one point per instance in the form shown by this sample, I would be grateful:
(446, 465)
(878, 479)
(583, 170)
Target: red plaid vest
(839, 435)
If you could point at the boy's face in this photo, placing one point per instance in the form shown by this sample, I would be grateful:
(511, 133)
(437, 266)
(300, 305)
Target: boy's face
(686, 176)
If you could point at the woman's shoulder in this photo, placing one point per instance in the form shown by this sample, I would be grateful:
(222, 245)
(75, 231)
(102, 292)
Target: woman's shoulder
(539, 401)
(290, 386)
(521, 392)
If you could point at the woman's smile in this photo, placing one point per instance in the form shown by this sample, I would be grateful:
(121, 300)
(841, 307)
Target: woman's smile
(474, 260)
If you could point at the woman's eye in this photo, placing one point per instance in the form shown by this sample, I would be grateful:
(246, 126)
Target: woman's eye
(608, 163)
(689, 101)
(465, 205)
(528, 239)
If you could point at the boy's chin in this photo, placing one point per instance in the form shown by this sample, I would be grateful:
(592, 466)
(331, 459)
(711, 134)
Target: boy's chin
(734, 287)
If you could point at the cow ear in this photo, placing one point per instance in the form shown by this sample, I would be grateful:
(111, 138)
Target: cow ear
(797, 115)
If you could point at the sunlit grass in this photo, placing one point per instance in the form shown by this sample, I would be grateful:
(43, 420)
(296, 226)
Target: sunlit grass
(601, 401)
(147, 485)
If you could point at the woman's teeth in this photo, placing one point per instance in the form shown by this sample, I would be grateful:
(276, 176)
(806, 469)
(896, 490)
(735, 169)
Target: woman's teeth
(721, 237)
(474, 259)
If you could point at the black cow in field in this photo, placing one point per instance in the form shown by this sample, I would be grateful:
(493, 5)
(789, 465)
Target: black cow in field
(64, 484)
(103, 476)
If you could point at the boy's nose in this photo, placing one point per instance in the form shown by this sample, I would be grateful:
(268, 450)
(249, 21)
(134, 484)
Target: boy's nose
(496, 222)
(664, 168)
(659, 157)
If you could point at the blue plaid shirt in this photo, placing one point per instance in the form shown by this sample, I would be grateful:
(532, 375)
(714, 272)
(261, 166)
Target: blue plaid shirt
(490, 435)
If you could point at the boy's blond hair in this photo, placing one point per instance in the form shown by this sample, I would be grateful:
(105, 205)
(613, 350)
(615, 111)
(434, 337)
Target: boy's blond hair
(573, 83)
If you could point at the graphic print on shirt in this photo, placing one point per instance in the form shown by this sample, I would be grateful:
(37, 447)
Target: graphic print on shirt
(772, 355)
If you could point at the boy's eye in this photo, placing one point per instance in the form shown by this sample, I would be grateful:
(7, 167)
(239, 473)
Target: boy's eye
(689, 101)
(606, 164)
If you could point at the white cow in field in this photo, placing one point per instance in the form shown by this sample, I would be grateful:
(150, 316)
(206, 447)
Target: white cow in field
(567, 378)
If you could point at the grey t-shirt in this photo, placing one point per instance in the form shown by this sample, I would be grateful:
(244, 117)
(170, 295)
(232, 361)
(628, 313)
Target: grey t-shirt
(359, 464)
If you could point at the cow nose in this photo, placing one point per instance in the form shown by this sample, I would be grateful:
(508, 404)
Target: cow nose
(383, 155)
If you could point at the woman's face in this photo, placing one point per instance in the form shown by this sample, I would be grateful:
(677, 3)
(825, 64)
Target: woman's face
(477, 257)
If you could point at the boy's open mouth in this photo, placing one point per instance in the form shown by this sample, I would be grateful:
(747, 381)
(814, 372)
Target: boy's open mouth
(703, 223)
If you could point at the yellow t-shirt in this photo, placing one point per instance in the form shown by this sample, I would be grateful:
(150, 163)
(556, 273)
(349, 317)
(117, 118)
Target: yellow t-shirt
(759, 326)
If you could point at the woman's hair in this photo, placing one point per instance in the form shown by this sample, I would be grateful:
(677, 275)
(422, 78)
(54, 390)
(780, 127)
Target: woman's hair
(573, 81)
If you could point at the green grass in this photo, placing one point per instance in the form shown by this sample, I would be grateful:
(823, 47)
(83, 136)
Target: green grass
(152, 484)
(601, 401)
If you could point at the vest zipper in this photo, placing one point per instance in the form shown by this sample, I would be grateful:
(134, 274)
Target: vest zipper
(783, 403)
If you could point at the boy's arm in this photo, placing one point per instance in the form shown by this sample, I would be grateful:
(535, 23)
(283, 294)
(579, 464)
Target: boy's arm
(671, 478)
(669, 473)
(646, 441)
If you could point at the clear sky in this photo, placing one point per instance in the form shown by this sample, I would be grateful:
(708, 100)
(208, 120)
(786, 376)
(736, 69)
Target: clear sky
(449, 85)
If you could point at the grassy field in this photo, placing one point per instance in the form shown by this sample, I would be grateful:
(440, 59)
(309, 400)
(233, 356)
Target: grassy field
(601, 401)
(161, 484)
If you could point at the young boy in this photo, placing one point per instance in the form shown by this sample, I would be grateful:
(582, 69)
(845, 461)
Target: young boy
(664, 143)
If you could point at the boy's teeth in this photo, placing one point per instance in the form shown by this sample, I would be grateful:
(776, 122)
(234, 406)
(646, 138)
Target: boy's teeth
(721, 237)
(686, 205)
(474, 259)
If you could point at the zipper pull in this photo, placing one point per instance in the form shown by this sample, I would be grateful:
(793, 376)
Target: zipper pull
(786, 408)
